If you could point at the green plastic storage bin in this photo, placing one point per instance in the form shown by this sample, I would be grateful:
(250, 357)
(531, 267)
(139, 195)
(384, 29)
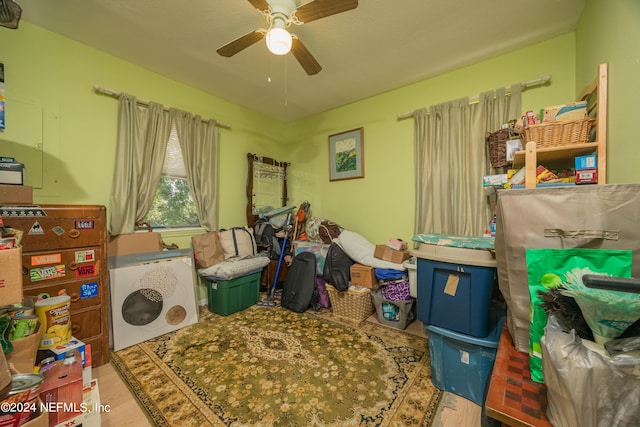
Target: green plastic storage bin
(230, 296)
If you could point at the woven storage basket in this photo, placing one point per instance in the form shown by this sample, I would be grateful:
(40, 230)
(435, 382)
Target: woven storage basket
(498, 148)
(559, 133)
(355, 305)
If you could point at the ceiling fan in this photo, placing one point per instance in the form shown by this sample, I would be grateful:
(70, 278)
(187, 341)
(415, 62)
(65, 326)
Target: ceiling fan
(10, 13)
(280, 14)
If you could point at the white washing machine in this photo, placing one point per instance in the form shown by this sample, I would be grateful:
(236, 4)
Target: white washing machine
(151, 294)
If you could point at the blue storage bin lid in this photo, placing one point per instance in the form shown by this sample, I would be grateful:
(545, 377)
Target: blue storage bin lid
(492, 340)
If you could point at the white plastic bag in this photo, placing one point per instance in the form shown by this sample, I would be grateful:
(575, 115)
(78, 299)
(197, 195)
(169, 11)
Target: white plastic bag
(585, 386)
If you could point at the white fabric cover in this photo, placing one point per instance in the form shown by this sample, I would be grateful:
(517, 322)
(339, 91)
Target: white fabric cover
(234, 267)
(361, 251)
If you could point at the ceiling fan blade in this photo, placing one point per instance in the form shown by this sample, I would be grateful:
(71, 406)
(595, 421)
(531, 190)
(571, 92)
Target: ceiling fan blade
(260, 4)
(241, 43)
(321, 8)
(304, 57)
(10, 13)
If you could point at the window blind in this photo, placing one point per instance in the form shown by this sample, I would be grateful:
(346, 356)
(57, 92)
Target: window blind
(173, 162)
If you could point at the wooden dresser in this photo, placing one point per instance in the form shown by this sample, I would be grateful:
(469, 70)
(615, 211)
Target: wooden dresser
(64, 248)
(269, 274)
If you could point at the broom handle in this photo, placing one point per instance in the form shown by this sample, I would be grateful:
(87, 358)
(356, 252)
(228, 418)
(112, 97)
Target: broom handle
(611, 283)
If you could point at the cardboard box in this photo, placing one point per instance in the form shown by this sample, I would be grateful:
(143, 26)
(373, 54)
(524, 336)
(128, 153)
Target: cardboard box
(498, 180)
(61, 391)
(586, 162)
(17, 194)
(134, 243)
(587, 176)
(11, 276)
(397, 244)
(59, 352)
(40, 417)
(363, 275)
(91, 398)
(386, 253)
(11, 173)
(92, 408)
(23, 356)
(88, 364)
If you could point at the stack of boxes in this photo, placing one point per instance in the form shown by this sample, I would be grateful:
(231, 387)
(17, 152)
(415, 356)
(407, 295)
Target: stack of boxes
(392, 297)
(455, 293)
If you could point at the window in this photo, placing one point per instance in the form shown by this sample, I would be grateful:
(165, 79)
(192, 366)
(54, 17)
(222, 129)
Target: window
(173, 206)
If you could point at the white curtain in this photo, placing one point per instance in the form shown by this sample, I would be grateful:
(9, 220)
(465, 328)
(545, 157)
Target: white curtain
(199, 146)
(143, 133)
(451, 159)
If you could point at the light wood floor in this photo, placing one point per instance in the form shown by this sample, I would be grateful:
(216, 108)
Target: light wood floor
(124, 409)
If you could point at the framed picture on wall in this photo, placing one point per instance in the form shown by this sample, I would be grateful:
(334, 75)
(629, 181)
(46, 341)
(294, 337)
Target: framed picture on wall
(346, 155)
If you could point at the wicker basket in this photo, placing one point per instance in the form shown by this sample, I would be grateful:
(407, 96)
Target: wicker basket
(354, 305)
(559, 133)
(498, 148)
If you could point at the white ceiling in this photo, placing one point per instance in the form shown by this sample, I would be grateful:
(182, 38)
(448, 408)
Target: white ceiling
(379, 46)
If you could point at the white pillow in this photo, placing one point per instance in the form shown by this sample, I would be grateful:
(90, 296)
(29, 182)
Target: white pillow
(361, 251)
(232, 268)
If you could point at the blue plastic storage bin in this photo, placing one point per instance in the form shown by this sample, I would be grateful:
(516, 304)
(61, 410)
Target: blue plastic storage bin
(462, 364)
(455, 296)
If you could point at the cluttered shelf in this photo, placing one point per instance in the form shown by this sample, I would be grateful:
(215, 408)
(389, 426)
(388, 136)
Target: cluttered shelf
(554, 141)
(555, 153)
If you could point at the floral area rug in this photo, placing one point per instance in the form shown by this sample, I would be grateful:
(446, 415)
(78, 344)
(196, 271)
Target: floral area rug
(268, 366)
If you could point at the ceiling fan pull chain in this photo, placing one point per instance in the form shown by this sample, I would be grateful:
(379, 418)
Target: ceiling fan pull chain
(286, 81)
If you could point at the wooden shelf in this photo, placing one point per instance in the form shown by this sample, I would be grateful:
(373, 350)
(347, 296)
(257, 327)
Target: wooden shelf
(596, 96)
(553, 154)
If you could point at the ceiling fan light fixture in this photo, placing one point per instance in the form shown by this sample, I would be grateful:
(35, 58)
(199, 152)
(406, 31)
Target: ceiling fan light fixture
(278, 41)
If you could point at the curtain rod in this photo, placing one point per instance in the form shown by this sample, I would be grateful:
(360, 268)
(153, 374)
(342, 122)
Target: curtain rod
(116, 94)
(523, 85)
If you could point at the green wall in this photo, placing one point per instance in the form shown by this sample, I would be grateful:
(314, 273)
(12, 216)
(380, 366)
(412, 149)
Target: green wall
(51, 102)
(609, 31)
(49, 84)
(382, 205)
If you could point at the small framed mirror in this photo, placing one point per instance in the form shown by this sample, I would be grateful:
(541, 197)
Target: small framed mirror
(266, 186)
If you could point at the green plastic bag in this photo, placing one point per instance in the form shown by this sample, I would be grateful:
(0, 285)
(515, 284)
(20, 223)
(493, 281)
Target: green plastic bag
(550, 268)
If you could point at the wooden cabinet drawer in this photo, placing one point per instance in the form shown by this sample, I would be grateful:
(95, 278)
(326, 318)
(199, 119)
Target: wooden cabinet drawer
(64, 247)
(45, 267)
(83, 294)
(86, 324)
(47, 228)
(269, 273)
